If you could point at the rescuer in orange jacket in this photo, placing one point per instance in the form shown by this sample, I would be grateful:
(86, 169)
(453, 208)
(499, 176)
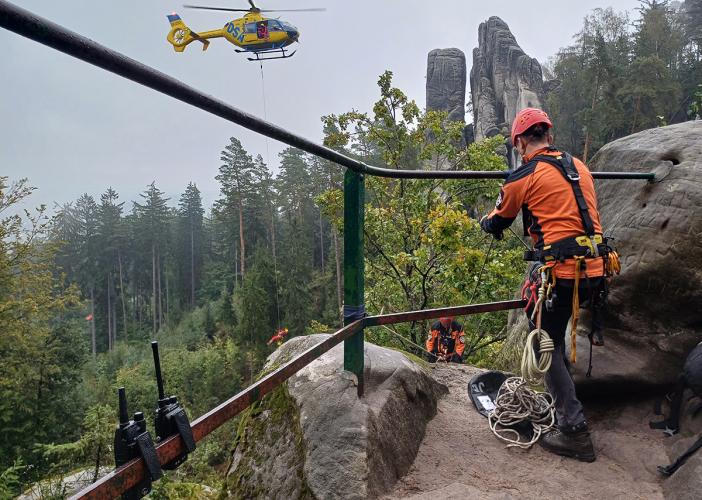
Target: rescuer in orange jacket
(446, 341)
(556, 196)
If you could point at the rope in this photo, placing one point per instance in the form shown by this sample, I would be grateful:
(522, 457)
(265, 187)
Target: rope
(515, 404)
(268, 162)
(480, 274)
(408, 341)
(519, 238)
(533, 369)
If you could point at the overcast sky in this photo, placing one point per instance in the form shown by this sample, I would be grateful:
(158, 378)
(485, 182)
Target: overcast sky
(73, 128)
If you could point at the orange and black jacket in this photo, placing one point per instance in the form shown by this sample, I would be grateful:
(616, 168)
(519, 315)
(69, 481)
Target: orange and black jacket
(544, 196)
(448, 342)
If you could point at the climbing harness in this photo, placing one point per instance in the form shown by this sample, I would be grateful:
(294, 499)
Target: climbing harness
(519, 406)
(578, 248)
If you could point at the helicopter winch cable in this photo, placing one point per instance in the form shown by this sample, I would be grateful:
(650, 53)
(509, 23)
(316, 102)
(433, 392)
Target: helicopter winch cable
(268, 162)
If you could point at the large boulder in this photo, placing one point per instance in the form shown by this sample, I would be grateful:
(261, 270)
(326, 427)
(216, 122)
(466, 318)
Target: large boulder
(655, 313)
(446, 83)
(314, 438)
(503, 80)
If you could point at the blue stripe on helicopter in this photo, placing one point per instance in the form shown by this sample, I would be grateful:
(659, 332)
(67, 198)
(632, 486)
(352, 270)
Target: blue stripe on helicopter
(173, 17)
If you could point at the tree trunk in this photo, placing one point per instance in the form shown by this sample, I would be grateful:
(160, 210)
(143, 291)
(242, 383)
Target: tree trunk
(273, 233)
(242, 254)
(121, 295)
(160, 294)
(97, 462)
(339, 295)
(236, 266)
(109, 315)
(321, 239)
(114, 312)
(637, 106)
(192, 264)
(589, 125)
(168, 309)
(153, 282)
(92, 322)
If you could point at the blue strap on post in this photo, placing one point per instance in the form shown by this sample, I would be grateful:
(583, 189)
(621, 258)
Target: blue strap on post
(353, 313)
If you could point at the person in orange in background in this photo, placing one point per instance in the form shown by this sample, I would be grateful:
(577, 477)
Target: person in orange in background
(556, 195)
(446, 341)
(279, 337)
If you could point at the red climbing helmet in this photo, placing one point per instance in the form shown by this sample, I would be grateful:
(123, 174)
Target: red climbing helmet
(446, 321)
(527, 118)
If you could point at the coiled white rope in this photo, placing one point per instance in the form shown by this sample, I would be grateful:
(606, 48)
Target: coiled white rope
(517, 403)
(533, 370)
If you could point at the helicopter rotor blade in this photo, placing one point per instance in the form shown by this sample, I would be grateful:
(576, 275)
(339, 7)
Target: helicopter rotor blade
(200, 7)
(318, 9)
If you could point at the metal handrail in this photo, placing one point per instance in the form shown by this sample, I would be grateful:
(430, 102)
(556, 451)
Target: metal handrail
(133, 472)
(42, 30)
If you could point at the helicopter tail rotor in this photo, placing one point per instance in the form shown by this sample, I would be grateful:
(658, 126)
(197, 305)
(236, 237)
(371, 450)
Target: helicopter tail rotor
(180, 35)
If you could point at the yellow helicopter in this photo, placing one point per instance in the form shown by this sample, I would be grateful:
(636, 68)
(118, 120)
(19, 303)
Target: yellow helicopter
(252, 33)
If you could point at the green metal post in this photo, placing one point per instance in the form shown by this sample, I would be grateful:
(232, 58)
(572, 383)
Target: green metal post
(354, 194)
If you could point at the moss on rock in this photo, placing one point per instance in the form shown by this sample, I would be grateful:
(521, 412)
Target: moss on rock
(269, 428)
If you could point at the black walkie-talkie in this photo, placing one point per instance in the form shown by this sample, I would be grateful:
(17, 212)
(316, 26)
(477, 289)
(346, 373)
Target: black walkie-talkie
(171, 417)
(132, 440)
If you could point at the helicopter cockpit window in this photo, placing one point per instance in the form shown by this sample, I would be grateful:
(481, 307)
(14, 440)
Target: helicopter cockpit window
(287, 26)
(250, 28)
(274, 25)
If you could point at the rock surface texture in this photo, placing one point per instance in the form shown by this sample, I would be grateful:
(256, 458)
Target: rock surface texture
(503, 80)
(314, 438)
(461, 459)
(655, 313)
(446, 83)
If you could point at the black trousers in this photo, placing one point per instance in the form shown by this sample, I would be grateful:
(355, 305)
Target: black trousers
(569, 410)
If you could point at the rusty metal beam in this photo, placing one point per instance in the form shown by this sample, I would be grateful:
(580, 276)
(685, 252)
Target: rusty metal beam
(115, 483)
(389, 319)
(120, 480)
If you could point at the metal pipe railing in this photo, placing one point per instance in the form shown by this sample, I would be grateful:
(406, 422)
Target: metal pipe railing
(120, 480)
(42, 30)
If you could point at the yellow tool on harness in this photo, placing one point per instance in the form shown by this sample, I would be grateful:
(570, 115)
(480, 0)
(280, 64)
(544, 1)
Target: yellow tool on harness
(576, 309)
(613, 264)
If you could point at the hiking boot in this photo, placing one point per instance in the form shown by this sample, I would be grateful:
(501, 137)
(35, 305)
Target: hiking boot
(574, 443)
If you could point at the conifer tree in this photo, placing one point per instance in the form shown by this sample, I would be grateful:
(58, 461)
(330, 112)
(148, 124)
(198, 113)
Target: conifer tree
(152, 231)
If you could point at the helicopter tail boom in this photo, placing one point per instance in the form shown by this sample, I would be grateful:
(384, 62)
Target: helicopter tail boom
(180, 35)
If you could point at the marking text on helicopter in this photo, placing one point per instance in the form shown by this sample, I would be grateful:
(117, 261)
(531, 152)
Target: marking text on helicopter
(252, 33)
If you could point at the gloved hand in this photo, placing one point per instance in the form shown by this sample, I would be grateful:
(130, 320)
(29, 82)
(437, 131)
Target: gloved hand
(485, 227)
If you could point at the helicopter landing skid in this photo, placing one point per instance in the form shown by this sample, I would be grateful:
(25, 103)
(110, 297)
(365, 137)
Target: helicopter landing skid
(282, 52)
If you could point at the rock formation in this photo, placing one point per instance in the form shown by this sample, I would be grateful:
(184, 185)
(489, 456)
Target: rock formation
(503, 80)
(654, 318)
(314, 438)
(446, 86)
(446, 83)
